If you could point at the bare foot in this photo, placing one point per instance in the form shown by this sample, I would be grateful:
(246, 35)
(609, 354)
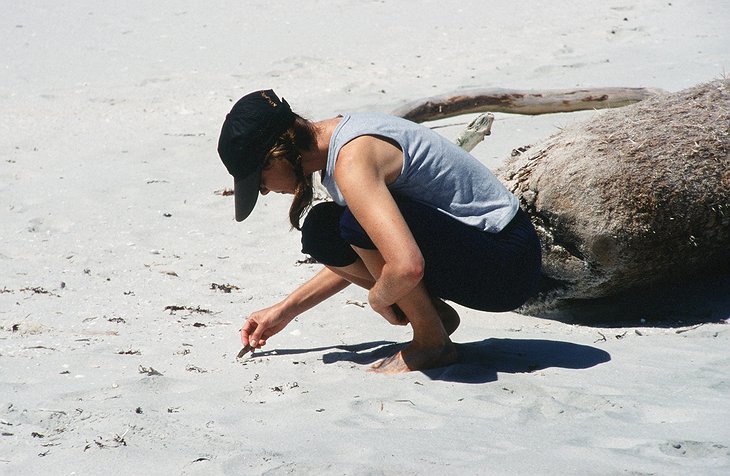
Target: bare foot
(449, 317)
(417, 357)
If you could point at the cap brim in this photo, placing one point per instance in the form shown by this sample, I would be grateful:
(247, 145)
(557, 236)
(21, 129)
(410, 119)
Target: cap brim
(246, 192)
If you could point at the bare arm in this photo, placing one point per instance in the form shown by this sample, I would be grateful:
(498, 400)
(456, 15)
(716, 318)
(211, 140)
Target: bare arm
(263, 324)
(365, 166)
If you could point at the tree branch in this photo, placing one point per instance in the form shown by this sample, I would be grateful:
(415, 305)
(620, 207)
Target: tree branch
(516, 101)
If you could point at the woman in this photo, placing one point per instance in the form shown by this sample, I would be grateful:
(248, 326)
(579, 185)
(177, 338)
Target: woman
(415, 220)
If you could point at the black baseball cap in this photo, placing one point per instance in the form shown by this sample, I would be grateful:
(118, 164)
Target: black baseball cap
(249, 131)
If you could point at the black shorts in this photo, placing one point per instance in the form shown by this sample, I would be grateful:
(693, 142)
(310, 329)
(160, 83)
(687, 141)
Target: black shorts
(474, 268)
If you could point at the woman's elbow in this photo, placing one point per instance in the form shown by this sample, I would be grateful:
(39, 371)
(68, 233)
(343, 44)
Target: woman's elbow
(412, 270)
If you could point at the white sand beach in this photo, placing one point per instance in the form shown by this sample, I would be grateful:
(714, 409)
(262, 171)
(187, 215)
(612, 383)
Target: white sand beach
(125, 279)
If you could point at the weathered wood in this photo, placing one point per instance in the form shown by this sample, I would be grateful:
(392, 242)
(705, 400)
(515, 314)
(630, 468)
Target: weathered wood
(516, 101)
(632, 198)
(475, 132)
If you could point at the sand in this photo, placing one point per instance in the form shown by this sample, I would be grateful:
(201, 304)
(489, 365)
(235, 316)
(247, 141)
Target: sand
(125, 278)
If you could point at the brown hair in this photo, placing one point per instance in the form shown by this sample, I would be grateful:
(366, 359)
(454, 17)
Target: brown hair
(300, 136)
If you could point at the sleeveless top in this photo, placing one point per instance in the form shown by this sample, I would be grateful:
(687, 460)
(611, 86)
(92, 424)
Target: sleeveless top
(435, 171)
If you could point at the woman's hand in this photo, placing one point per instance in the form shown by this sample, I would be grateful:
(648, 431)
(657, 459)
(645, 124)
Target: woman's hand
(392, 313)
(263, 324)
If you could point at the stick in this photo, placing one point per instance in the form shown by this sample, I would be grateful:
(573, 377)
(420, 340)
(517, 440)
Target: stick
(519, 101)
(244, 351)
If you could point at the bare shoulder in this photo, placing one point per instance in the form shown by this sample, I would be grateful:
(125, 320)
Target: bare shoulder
(371, 153)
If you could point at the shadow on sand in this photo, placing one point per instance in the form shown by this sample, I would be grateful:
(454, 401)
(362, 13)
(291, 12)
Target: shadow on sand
(480, 362)
(702, 300)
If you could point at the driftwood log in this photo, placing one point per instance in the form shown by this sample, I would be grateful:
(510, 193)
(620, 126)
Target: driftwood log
(518, 101)
(634, 197)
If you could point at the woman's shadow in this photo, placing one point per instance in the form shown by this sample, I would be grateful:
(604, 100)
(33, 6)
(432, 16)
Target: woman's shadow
(480, 362)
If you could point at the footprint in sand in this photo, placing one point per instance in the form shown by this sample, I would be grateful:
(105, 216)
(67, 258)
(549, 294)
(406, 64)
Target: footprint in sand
(694, 449)
(386, 413)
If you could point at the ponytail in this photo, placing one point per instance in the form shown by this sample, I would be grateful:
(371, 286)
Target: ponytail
(298, 137)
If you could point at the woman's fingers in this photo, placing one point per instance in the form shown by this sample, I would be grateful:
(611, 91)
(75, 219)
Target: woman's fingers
(255, 339)
(248, 332)
(261, 325)
(255, 333)
(394, 315)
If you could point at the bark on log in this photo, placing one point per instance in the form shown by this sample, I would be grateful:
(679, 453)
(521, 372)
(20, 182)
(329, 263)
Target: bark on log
(530, 102)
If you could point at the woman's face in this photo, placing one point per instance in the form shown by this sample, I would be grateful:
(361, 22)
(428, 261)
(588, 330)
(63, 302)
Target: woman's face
(278, 176)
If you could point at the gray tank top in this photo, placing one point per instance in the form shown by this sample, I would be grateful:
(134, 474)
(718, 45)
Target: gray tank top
(435, 171)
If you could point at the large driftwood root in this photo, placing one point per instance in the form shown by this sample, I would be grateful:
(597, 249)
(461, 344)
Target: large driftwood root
(519, 101)
(634, 197)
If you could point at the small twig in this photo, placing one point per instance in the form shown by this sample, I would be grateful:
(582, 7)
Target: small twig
(38, 290)
(682, 331)
(150, 371)
(195, 368)
(198, 309)
(120, 439)
(52, 411)
(226, 288)
(602, 339)
(307, 260)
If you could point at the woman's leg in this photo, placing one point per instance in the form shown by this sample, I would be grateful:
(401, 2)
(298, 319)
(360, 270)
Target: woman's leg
(478, 269)
(321, 239)
(431, 346)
